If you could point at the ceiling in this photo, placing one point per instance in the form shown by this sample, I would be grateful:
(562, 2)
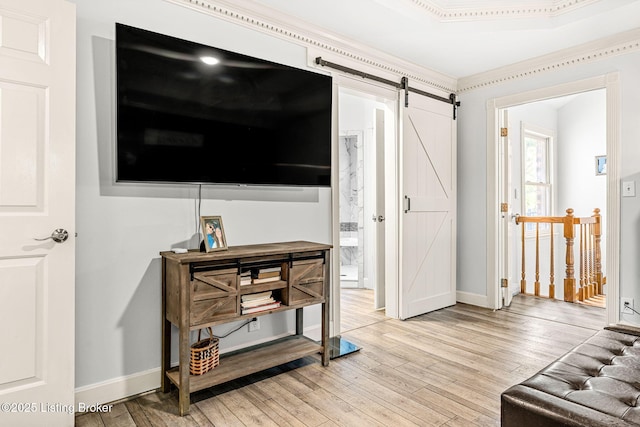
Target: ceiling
(460, 38)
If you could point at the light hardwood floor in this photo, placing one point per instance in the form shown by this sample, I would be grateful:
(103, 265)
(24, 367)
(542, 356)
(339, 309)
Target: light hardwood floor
(445, 368)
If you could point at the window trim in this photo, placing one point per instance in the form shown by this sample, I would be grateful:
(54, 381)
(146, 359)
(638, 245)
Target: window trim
(550, 136)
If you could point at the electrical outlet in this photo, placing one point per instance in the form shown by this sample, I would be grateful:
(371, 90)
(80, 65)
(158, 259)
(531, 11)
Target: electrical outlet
(626, 305)
(254, 325)
(629, 189)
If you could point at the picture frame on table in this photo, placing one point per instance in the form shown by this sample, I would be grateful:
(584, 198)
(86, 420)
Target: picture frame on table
(213, 235)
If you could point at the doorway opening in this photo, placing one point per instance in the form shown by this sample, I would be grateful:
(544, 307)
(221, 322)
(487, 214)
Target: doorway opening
(366, 131)
(549, 162)
(500, 222)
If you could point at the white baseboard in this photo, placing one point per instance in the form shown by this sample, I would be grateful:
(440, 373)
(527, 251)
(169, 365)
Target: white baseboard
(472, 299)
(140, 382)
(118, 388)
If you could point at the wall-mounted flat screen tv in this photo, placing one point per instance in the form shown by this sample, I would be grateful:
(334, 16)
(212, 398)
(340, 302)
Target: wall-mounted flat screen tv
(191, 113)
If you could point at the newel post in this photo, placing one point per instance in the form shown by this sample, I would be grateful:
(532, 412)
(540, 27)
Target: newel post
(597, 237)
(569, 280)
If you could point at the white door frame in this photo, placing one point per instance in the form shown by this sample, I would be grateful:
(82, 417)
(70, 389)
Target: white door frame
(611, 83)
(380, 137)
(391, 190)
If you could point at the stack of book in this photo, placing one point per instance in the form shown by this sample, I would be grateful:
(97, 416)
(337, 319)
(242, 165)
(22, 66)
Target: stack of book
(265, 275)
(260, 275)
(245, 278)
(253, 303)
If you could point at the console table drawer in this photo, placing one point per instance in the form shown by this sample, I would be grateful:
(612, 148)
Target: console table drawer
(305, 292)
(307, 281)
(207, 311)
(214, 295)
(214, 284)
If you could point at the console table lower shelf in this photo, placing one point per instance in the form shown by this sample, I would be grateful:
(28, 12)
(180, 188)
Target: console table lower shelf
(251, 360)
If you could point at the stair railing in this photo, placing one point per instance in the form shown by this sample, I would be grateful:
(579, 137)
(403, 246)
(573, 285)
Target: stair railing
(589, 232)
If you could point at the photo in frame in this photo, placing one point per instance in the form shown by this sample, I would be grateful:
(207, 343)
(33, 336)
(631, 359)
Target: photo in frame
(213, 233)
(601, 165)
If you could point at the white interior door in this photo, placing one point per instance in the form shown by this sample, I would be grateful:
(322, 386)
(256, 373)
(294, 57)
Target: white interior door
(428, 222)
(507, 212)
(37, 196)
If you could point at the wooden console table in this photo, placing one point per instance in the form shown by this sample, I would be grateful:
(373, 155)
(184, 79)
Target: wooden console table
(203, 289)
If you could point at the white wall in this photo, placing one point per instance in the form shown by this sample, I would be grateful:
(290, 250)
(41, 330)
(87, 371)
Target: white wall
(472, 173)
(582, 135)
(122, 228)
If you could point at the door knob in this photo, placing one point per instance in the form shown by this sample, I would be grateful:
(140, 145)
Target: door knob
(378, 218)
(59, 235)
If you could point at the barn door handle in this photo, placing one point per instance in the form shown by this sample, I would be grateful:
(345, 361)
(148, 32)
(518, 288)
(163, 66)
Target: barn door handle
(59, 235)
(407, 204)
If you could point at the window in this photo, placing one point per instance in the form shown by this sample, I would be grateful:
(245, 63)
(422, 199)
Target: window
(536, 164)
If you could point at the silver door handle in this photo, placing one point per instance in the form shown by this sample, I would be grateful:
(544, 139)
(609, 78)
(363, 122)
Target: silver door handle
(59, 235)
(380, 218)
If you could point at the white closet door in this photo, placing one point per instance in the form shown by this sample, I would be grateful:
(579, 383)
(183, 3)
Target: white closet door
(37, 196)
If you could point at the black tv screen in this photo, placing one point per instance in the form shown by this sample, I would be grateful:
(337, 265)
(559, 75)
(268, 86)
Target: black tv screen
(192, 113)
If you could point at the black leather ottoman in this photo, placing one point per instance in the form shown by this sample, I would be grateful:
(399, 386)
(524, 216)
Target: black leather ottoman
(595, 384)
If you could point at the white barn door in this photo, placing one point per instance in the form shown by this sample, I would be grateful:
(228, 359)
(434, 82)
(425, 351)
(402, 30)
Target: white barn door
(428, 219)
(37, 197)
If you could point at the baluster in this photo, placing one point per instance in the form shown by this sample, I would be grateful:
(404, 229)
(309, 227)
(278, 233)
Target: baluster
(593, 290)
(582, 291)
(552, 286)
(569, 280)
(536, 284)
(597, 236)
(523, 280)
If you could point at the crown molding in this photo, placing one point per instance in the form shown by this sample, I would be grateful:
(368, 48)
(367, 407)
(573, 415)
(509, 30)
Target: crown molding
(266, 20)
(450, 12)
(619, 44)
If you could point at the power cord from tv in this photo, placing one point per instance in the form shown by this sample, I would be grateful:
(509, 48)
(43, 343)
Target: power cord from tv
(245, 323)
(198, 202)
(628, 306)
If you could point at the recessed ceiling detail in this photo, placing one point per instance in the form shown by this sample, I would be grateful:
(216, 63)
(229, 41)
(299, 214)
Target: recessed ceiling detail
(619, 45)
(402, 37)
(314, 39)
(460, 10)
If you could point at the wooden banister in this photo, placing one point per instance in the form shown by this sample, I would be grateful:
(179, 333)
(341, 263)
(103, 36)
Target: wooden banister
(590, 261)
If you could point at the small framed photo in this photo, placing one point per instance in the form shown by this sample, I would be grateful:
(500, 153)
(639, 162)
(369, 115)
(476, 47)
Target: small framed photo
(601, 165)
(213, 232)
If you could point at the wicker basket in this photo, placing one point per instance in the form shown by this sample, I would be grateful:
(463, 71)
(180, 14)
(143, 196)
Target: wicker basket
(204, 354)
